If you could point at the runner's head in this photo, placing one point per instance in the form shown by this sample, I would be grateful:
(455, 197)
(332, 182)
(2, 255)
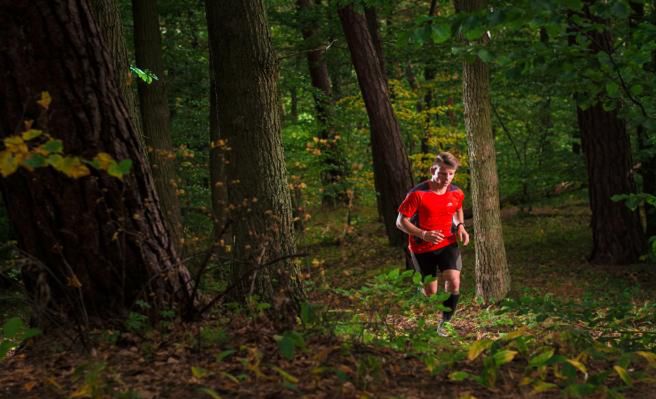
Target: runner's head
(444, 168)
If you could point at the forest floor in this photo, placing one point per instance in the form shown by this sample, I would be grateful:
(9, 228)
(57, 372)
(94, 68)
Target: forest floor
(567, 329)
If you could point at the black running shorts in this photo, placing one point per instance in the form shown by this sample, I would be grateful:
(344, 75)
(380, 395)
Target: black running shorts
(446, 258)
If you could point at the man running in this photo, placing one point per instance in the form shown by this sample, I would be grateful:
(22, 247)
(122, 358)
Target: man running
(432, 216)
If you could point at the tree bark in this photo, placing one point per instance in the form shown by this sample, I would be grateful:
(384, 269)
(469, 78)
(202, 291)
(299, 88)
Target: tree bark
(334, 163)
(218, 145)
(99, 243)
(246, 74)
(392, 172)
(108, 17)
(492, 275)
(155, 112)
(617, 236)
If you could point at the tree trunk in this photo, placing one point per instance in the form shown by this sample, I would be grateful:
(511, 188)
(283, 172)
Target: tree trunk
(218, 148)
(617, 236)
(392, 172)
(108, 18)
(616, 231)
(155, 112)
(492, 276)
(334, 163)
(249, 117)
(99, 243)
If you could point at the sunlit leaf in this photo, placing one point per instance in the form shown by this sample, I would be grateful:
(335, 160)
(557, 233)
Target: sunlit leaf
(477, 348)
(503, 357)
(624, 375)
(45, 100)
(579, 366)
(542, 386)
(542, 358)
(8, 163)
(31, 134)
(103, 160)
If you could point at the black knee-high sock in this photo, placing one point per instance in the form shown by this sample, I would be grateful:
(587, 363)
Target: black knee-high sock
(451, 303)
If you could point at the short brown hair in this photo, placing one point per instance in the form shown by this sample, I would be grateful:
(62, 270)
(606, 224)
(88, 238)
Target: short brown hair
(446, 159)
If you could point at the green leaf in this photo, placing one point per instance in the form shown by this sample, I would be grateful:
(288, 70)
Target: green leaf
(624, 375)
(32, 134)
(54, 146)
(12, 326)
(636, 89)
(613, 89)
(503, 357)
(198, 372)
(485, 56)
(288, 377)
(478, 347)
(35, 161)
(474, 33)
(5, 347)
(144, 74)
(120, 169)
(579, 366)
(620, 9)
(542, 358)
(212, 393)
(542, 386)
(459, 376)
(288, 343)
(440, 33)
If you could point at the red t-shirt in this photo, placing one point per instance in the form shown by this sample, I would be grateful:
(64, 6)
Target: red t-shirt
(431, 211)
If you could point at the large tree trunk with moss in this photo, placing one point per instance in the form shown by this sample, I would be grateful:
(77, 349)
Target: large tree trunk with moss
(334, 164)
(492, 276)
(617, 236)
(392, 172)
(246, 74)
(155, 115)
(97, 243)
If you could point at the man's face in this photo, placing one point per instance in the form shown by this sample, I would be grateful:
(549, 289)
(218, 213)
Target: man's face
(443, 175)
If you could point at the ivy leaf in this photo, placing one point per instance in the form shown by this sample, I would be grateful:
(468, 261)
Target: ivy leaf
(71, 167)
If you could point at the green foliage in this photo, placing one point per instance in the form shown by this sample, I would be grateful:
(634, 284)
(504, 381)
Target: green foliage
(14, 332)
(144, 74)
